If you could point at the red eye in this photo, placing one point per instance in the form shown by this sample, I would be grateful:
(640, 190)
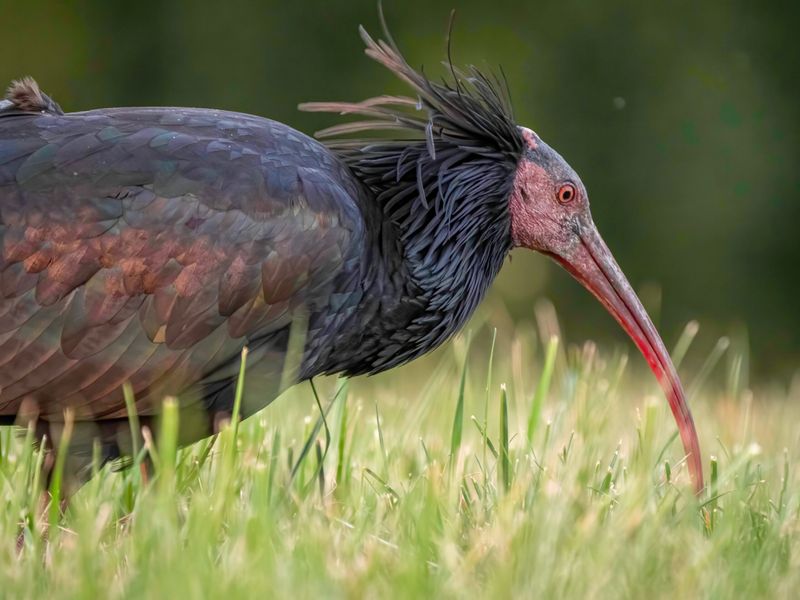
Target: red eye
(566, 193)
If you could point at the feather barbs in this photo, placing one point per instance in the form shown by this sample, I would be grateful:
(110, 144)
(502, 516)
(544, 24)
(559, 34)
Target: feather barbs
(24, 95)
(403, 145)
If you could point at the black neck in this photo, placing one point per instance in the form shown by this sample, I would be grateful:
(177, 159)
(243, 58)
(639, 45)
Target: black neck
(421, 280)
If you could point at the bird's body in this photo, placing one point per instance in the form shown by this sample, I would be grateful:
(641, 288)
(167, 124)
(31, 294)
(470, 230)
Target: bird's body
(152, 245)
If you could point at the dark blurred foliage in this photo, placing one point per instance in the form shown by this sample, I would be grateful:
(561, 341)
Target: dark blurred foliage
(682, 117)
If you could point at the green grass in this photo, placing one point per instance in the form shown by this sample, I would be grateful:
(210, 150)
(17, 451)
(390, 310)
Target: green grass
(555, 475)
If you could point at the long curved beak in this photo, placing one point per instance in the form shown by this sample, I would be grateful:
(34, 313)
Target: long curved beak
(591, 262)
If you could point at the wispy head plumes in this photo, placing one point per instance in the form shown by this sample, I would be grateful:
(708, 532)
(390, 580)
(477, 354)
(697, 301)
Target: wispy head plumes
(418, 147)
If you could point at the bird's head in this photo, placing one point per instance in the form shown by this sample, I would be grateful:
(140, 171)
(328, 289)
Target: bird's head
(548, 204)
(468, 170)
(549, 210)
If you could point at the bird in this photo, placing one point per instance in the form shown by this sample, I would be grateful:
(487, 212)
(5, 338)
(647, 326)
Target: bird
(150, 246)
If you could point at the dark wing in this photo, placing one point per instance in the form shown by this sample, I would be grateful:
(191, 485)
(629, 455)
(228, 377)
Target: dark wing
(151, 245)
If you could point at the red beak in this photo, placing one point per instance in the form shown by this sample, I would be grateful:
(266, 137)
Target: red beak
(592, 263)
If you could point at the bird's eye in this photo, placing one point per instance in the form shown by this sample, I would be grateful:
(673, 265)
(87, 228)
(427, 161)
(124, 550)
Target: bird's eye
(566, 193)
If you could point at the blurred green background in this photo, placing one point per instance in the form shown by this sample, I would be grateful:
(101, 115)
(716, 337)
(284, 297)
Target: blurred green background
(682, 118)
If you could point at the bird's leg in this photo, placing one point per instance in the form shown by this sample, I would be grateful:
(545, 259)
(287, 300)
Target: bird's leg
(63, 467)
(43, 478)
(144, 471)
(69, 450)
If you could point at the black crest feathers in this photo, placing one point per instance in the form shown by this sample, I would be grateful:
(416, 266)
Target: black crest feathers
(457, 140)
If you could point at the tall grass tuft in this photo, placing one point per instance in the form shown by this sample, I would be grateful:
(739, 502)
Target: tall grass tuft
(376, 487)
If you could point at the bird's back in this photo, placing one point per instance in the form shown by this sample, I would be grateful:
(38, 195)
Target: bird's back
(150, 245)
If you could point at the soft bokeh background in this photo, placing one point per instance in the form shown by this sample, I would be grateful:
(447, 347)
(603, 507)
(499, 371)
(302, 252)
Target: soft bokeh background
(682, 118)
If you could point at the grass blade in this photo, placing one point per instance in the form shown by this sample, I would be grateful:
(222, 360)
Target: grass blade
(543, 387)
(56, 483)
(382, 443)
(237, 399)
(505, 462)
(487, 440)
(713, 491)
(684, 342)
(458, 417)
(168, 445)
(487, 396)
(321, 421)
(711, 361)
(133, 420)
(275, 453)
(341, 458)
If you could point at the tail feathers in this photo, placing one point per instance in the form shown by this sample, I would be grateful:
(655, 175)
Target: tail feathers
(24, 96)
